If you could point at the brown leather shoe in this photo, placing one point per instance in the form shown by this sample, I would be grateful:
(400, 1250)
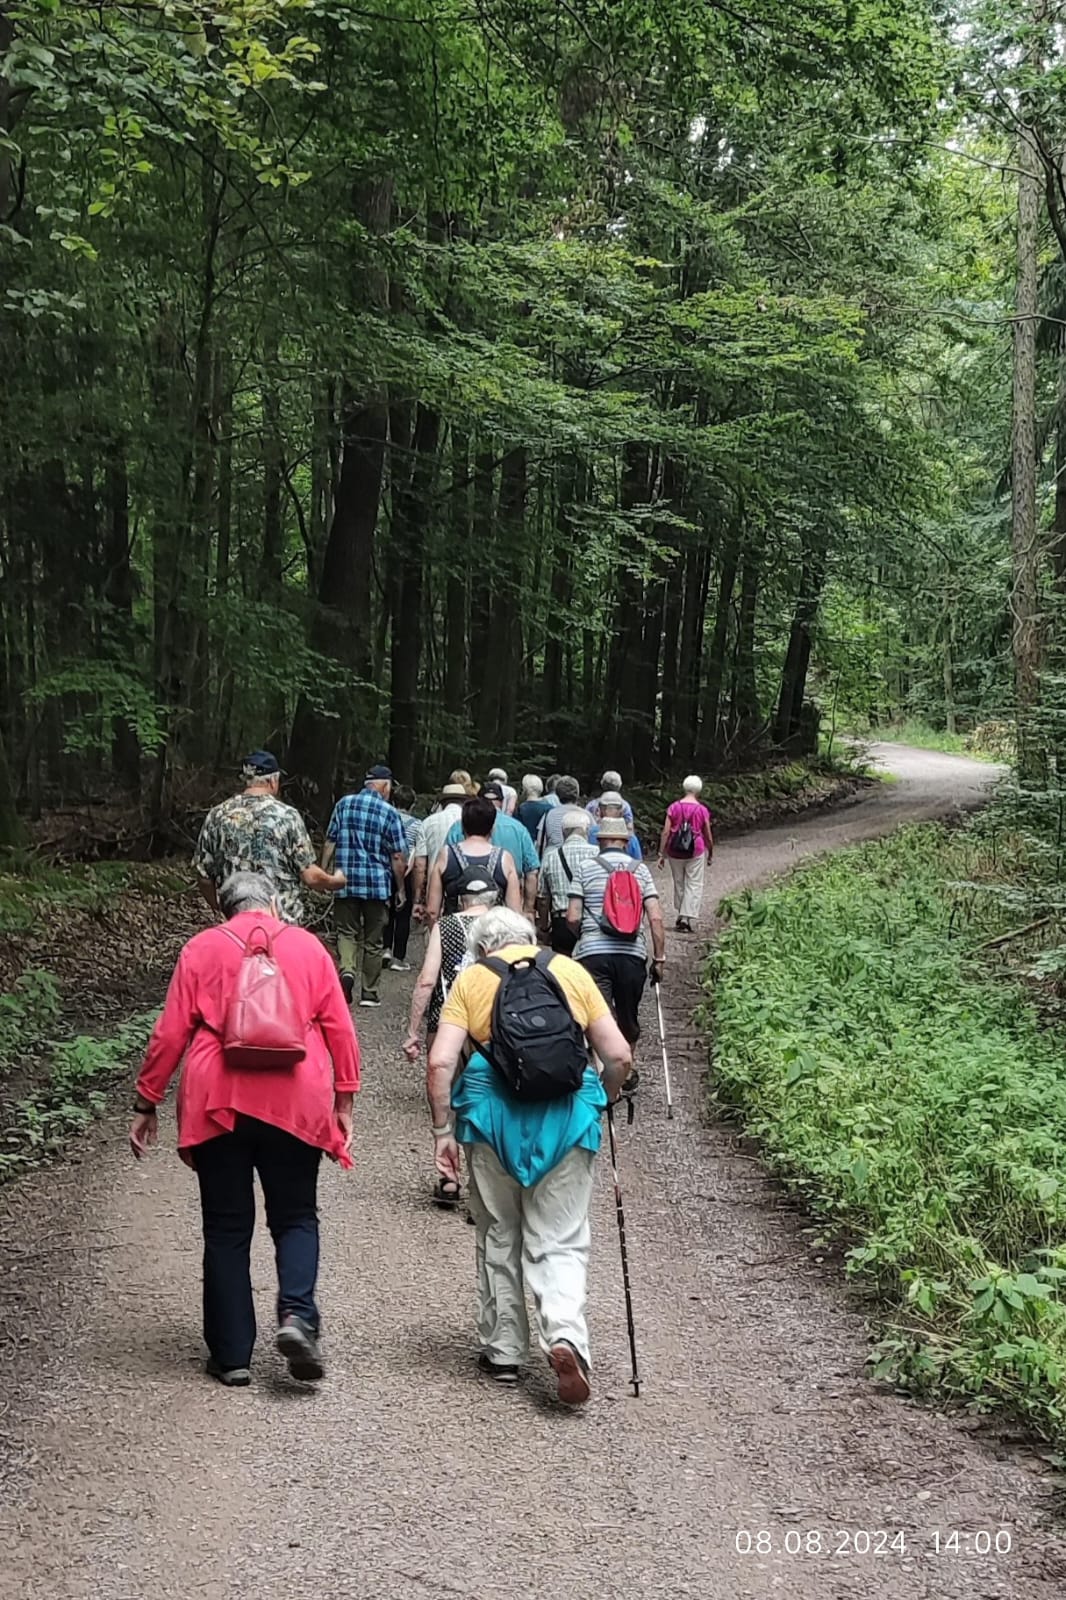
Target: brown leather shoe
(572, 1373)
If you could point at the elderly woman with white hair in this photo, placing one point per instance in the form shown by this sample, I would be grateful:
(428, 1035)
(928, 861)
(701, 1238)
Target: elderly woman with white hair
(688, 844)
(530, 1160)
(246, 1107)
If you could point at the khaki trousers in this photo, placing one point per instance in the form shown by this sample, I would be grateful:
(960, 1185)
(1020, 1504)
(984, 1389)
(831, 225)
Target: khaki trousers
(360, 926)
(688, 886)
(535, 1239)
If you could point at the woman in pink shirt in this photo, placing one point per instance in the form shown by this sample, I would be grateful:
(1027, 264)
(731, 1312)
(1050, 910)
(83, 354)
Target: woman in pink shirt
(234, 1122)
(688, 844)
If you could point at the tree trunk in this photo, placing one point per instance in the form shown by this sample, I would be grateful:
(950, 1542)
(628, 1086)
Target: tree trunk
(745, 688)
(118, 591)
(342, 625)
(798, 655)
(455, 591)
(1026, 552)
(411, 517)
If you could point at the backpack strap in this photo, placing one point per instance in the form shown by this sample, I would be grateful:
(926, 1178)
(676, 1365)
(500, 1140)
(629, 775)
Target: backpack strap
(494, 964)
(567, 868)
(614, 866)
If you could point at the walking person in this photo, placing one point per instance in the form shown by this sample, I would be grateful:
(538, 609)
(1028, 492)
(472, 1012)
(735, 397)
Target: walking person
(510, 835)
(447, 953)
(611, 804)
(236, 1121)
(255, 831)
(429, 842)
(398, 926)
(557, 873)
(530, 1161)
(534, 804)
(371, 848)
(475, 846)
(568, 794)
(510, 798)
(687, 842)
(611, 784)
(616, 958)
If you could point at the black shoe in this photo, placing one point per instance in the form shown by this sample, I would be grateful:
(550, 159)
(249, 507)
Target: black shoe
(370, 1000)
(348, 985)
(228, 1377)
(498, 1374)
(298, 1343)
(679, 925)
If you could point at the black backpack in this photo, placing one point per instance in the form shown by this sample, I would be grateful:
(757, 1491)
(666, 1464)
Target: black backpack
(536, 1044)
(683, 839)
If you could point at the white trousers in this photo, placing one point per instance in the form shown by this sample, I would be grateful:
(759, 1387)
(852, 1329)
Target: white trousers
(534, 1238)
(688, 885)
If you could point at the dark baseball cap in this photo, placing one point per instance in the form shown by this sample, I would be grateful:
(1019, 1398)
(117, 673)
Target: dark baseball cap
(379, 774)
(261, 763)
(491, 791)
(474, 880)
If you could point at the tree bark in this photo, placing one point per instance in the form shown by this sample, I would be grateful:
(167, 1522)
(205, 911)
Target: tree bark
(342, 625)
(411, 517)
(788, 721)
(1026, 552)
(118, 594)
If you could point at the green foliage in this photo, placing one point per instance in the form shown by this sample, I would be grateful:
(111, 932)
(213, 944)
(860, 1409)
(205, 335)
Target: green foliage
(72, 1095)
(912, 1101)
(26, 885)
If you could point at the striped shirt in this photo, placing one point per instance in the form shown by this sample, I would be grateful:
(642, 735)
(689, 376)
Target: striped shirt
(554, 882)
(590, 883)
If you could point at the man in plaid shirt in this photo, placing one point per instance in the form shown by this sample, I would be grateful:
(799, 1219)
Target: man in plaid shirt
(371, 850)
(557, 873)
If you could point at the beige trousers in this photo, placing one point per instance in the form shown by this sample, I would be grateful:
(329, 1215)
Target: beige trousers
(535, 1239)
(688, 886)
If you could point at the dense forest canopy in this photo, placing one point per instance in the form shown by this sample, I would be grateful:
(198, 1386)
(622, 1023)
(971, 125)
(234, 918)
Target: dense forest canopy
(565, 381)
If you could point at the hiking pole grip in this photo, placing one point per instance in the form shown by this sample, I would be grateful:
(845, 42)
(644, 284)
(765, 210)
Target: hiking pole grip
(620, 1213)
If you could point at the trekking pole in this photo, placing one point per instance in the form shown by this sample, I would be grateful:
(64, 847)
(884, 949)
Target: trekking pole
(635, 1379)
(662, 1040)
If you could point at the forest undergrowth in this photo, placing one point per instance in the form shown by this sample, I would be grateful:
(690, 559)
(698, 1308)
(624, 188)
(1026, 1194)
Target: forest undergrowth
(887, 1028)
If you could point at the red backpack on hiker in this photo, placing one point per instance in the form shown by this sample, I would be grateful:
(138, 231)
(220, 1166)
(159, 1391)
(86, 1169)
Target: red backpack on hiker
(623, 899)
(262, 1027)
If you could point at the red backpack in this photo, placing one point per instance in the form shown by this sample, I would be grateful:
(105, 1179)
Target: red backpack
(263, 1027)
(623, 900)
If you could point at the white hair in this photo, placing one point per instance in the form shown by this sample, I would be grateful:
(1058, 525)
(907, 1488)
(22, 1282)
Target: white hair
(532, 786)
(497, 775)
(499, 928)
(612, 780)
(245, 891)
(480, 897)
(693, 785)
(575, 822)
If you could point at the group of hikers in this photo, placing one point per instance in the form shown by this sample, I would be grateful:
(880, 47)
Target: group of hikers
(527, 1043)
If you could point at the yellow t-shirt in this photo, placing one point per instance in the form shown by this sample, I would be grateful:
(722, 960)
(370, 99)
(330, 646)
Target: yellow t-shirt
(473, 994)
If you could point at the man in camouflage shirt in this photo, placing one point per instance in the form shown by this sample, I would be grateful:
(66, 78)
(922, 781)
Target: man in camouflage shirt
(256, 832)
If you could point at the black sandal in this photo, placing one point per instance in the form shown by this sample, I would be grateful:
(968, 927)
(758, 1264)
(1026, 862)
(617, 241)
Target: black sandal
(447, 1194)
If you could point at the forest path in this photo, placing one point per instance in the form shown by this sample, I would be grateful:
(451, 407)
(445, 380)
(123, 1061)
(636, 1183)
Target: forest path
(125, 1475)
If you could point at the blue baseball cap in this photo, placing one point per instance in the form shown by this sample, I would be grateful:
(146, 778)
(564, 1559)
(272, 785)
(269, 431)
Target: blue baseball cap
(260, 764)
(379, 774)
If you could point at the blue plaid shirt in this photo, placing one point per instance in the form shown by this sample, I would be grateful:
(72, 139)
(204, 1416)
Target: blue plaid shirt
(368, 832)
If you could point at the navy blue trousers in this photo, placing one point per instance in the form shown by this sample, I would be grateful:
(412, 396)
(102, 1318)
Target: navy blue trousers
(288, 1172)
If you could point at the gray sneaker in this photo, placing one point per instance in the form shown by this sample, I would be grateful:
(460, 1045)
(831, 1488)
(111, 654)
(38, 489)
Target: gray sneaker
(298, 1343)
(370, 1000)
(228, 1377)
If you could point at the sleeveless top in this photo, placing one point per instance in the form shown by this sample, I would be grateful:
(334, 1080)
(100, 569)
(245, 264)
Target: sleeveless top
(453, 956)
(456, 865)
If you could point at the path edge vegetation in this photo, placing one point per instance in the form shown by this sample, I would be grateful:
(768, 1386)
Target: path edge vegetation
(914, 1100)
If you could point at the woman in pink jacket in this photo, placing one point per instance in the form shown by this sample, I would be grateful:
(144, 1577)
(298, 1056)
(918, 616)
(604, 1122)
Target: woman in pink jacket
(234, 1122)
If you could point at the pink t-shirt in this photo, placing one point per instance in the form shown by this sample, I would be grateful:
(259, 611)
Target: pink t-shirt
(699, 819)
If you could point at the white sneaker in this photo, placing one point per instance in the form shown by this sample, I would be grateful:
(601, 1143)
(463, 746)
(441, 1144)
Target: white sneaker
(400, 966)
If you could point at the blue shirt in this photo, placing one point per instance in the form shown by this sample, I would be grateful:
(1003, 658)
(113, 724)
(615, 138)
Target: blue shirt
(633, 846)
(507, 834)
(529, 1137)
(368, 832)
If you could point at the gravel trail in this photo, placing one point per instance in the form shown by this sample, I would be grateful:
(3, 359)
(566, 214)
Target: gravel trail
(124, 1474)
